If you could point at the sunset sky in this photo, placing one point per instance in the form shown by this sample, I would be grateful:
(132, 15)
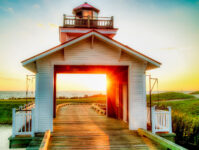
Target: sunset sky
(167, 31)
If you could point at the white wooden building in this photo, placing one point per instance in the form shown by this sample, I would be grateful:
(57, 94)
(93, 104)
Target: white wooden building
(87, 46)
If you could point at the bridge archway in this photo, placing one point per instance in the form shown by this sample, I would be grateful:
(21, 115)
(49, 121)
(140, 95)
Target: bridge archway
(117, 89)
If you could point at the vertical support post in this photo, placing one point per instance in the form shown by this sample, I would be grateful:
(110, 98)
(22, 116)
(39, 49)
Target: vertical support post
(170, 120)
(13, 122)
(88, 21)
(150, 99)
(33, 122)
(153, 119)
(112, 21)
(54, 94)
(27, 79)
(64, 16)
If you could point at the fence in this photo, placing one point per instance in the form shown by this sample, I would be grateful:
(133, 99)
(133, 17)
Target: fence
(104, 22)
(23, 120)
(161, 119)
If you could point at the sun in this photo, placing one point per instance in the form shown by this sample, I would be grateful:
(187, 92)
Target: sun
(81, 82)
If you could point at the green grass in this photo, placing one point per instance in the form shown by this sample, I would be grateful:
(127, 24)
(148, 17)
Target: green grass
(15, 101)
(6, 109)
(188, 107)
(170, 96)
(6, 112)
(196, 92)
(101, 99)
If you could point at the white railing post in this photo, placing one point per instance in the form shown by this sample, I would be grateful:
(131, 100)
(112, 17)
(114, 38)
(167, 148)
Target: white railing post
(153, 118)
(13, 122)
(170, 120)
(33, 122)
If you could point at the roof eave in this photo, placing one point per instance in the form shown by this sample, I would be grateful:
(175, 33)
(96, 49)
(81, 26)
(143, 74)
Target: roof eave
(97, 34)
(27, 61)
(31, 67)
(143, 57)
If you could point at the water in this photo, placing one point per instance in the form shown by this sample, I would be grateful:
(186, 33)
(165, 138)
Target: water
(22, 94)
(196, 95)
(5, 133)
(11, 94)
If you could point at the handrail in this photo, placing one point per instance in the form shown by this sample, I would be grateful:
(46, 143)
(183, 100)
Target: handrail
(99, 108)
(162, 141)
(61, 105)
(45, 141)
(28, 106)
(88, 22)
(87, 17)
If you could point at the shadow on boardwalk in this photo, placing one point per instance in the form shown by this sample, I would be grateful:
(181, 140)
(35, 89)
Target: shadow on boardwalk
(79, 127)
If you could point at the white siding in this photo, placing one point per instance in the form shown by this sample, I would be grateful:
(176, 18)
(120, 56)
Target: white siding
(137, 97)
(81, 53)
(44, 92)
(44, 95)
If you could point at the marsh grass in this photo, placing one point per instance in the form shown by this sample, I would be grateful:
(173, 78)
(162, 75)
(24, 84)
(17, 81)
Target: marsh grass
(185, 121)
(170, 96)
(196, 92)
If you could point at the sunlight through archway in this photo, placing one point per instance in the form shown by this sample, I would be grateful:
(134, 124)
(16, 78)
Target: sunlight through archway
(81, 84)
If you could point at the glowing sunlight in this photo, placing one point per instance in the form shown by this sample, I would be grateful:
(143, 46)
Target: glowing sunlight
(81, 82)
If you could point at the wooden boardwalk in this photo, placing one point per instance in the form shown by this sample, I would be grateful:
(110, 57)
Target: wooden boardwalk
(80, 127)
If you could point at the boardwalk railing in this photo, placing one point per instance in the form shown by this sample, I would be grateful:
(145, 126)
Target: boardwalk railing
(100, 108)
(61, 105)
(45, 141)
(23, 120)
(167, 144)
(161, 120)
(87, 22)
(27, 106)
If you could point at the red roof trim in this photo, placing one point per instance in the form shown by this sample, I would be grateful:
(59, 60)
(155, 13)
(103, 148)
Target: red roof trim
(85, 34)
(85, 5)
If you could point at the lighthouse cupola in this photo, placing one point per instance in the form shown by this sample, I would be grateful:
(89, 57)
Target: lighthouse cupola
(86, 11)
(86, 18)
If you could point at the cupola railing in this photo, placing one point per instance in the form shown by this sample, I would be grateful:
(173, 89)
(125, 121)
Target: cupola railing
(88, 22)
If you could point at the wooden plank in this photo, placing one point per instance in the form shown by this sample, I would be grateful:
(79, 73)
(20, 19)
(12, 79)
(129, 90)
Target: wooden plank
(80, 127)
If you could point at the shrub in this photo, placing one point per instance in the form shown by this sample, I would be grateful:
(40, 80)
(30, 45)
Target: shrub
(186, 128)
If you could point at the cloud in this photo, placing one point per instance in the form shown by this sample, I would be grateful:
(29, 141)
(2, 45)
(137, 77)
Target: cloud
(168, 48)
(41, 25)
(10, 79)
(36, 6)
(53, 25)
(9, 9)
